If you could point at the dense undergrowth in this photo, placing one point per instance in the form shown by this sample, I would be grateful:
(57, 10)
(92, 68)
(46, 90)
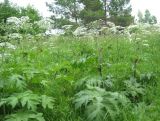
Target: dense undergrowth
(81, 79)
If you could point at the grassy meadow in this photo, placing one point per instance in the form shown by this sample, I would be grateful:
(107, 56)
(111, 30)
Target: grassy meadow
(107, 78)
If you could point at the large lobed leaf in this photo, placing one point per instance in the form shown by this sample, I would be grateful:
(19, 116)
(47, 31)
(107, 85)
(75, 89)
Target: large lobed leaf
(99, 104)
(25, 116)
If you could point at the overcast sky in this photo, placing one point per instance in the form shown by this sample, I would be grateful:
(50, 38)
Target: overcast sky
(152, 5)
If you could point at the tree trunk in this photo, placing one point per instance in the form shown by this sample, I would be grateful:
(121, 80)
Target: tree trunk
(105, 11)
(75, 12)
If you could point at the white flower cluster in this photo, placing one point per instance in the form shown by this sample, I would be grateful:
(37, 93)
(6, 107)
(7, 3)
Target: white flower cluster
(46, 24)
(4, 55)
(15, 36)
(24, 19)
(13, 20)
(18, 22)
(7, 45)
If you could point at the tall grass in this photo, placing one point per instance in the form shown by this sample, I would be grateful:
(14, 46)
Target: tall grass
(55, 65)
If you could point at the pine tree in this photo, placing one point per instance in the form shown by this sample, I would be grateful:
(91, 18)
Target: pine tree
(140, 17)
(66, 9)
(148, 18)
(120, 12)
(31, 12)
(92, 11)
(105, 7)
(154, 19)
(7, 10)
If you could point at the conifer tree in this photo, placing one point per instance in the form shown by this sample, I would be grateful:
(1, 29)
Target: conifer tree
(92, 11)
(120, 12)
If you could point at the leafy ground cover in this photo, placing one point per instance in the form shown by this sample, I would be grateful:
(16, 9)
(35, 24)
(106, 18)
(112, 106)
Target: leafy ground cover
(106, 78)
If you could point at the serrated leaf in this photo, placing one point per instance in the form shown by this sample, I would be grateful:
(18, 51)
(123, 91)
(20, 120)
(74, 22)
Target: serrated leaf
(38, 117)
(17, 81)
(25, 116)
(30, 100)
(133, 88)
(89, 81)
(2, 84)
(47, 102)
(98, 103)
(13, 101)
(3, 101)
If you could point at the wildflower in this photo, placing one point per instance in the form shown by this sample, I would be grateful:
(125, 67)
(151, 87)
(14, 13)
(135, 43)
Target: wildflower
(146, 45)
(7, 45)
(24, 19)
(45, 24)
(15, 36)
(145, 40)
(138, 39)
(4, 55)
(44, 82)
(13, 20)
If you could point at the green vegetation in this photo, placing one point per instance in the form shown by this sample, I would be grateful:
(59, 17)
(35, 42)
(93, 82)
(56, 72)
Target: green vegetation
(86, 11)
(7, 10)
(92, 11)
(10, 10)
(120, 12)
(66, 9)
(147, 18)
(105, 78)
(94, 73)
(31, 12)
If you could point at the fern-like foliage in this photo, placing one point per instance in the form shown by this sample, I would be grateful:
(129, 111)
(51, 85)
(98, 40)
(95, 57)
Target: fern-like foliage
(148, 78)
(99, 104)
(108, 82)
(133, 89)
(28, 100)
(47, 102)
(95, 82)
(17, 81)
(88, 81)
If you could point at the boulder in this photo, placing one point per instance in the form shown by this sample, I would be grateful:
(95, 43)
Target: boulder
(80, 31)
(56, 32)
(113, 30)
(66, 27)
(110, 24)
(104, 31)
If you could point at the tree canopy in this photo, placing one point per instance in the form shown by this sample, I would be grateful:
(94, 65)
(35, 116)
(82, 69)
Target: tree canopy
(8, 10)
(120, 12)
(92, 11)
(31, 12)
(147, 17)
